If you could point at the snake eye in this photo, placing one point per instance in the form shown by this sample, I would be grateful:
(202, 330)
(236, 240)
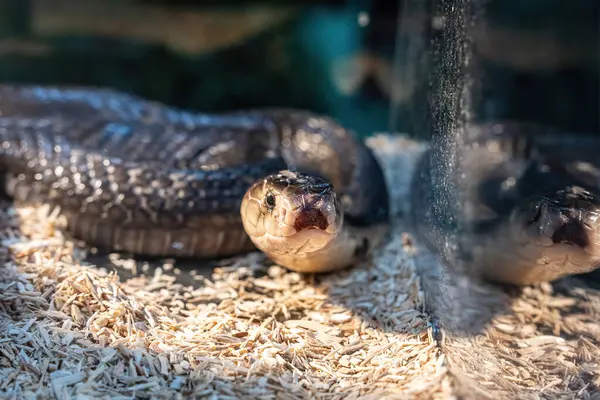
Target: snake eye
(270, 201)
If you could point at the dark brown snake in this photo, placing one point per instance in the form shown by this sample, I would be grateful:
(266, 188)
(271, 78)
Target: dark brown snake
(136, 176)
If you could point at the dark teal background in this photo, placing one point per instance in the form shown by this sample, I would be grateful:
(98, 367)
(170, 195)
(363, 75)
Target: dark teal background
(291, 63)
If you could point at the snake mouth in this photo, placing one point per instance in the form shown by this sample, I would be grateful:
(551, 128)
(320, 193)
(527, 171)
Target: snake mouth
(567, 218)
(289, 221)
(310, 218)
(572, 233)
(317, 222)
(312, 237)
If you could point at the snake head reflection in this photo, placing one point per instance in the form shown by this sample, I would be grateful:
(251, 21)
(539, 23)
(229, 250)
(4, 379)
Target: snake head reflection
(565, 217)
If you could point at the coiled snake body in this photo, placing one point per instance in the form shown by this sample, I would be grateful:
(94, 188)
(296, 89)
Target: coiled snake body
(136, 176)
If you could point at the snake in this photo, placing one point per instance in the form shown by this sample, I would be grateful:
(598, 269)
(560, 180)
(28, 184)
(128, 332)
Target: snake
(526, 208)
(137, 176)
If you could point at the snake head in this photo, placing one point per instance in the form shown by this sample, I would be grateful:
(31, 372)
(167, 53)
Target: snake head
(569, 217)
(291, 213)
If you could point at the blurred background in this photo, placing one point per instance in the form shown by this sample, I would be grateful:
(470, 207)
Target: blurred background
(537, 59)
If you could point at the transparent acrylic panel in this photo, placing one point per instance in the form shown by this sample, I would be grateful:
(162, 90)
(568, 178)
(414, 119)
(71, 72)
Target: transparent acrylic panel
(510, 100)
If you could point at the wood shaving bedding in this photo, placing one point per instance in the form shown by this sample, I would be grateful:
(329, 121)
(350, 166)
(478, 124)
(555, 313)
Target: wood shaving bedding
(249, 329)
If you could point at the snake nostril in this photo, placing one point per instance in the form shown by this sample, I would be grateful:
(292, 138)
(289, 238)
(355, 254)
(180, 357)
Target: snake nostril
(310, 218)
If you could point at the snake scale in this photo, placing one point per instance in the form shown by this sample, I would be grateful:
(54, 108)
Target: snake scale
(137, 176)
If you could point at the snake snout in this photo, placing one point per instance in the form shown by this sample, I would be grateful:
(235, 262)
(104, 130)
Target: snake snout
(571, 220)
(310, 218)
(575, 233)
(312, 212)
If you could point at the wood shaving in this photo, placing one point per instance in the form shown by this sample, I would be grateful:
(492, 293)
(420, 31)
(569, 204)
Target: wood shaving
(248, 329)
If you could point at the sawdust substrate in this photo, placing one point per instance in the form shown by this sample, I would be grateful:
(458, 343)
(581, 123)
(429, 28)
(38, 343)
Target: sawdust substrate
(249, 329)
